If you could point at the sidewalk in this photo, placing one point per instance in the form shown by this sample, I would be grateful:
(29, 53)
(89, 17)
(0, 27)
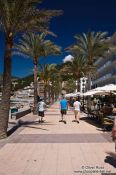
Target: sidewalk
(55, 148)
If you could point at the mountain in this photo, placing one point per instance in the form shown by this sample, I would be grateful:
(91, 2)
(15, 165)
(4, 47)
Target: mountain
(13, 78)
(23, 82)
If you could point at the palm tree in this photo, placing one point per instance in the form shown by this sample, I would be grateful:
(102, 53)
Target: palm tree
(70, 85)
(91, 45)
(49, 49)
(49, 74)
(77, 67)
(31, 45)
(16, 17)
(44, 74)
(35, 46)
(55, 79)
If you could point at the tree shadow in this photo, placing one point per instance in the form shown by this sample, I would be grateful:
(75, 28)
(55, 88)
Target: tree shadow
(35, 127)
(111, 159)
(28, 124)
(24, 123)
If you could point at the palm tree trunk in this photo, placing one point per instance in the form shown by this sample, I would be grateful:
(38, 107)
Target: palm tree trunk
(35, 89)
(52, 95)
(5, 102)
(49, 93)
(45, 92)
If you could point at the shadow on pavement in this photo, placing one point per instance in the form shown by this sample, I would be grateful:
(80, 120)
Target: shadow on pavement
(28, 124)
(111, 159)
(91, 121)
(35, 127)
(12, 130)
(22, 123)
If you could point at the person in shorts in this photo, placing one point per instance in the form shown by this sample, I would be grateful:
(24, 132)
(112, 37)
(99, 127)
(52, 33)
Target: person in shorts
(41, 109)
(63, 109)
(77, 106)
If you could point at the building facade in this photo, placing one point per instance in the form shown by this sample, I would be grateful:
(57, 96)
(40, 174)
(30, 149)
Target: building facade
(106, 69)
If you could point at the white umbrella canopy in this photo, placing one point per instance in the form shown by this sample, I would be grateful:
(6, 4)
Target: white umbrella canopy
(73, 94)
(93, 92)
(107, 88)
(69, 95)
(78, 94)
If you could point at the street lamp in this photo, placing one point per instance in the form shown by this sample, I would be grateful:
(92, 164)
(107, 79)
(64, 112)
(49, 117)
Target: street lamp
(76, 82)
(83, 86)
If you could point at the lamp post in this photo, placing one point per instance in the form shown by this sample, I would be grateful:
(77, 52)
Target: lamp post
(83, 86)
(38, 89)
(76, 82)
(38, 85)
(50, 93)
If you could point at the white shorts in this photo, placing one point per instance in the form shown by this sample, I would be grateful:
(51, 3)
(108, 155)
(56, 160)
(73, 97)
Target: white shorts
(76, 112)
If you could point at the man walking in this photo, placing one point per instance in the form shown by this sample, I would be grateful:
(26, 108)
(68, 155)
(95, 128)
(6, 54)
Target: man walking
(63, 109)
(41, 109)
(77, 106)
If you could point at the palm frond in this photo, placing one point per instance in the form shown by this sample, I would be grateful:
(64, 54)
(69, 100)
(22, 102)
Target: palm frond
(90, 45)
(35, 46)
(19, 16)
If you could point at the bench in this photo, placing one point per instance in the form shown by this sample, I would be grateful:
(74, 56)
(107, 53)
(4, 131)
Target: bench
(20, 113)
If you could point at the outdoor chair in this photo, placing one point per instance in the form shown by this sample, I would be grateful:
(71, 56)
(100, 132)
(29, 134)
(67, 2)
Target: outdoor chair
(89, 112)
(104, 117)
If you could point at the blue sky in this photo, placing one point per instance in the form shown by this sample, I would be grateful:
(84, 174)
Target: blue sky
(79, 16)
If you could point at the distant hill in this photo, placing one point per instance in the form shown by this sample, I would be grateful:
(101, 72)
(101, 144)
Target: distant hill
(28, 79)
(13, 78)
(23, 82)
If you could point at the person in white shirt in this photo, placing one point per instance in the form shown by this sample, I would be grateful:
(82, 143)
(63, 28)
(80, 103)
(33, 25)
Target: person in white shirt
(77, 106)
(41, 109)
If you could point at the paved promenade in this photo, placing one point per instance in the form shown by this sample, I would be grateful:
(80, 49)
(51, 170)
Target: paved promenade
(55, 148)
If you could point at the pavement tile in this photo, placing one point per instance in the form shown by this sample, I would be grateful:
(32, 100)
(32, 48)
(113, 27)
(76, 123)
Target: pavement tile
(53, 148)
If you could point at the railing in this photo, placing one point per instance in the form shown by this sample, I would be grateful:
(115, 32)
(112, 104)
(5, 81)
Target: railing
(98, 61)
(104, 66)
(20, 113)
(102, 78)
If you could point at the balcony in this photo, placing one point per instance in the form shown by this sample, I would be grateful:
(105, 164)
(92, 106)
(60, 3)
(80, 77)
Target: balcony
(109, 75)
(108, 63)
(98, 61)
